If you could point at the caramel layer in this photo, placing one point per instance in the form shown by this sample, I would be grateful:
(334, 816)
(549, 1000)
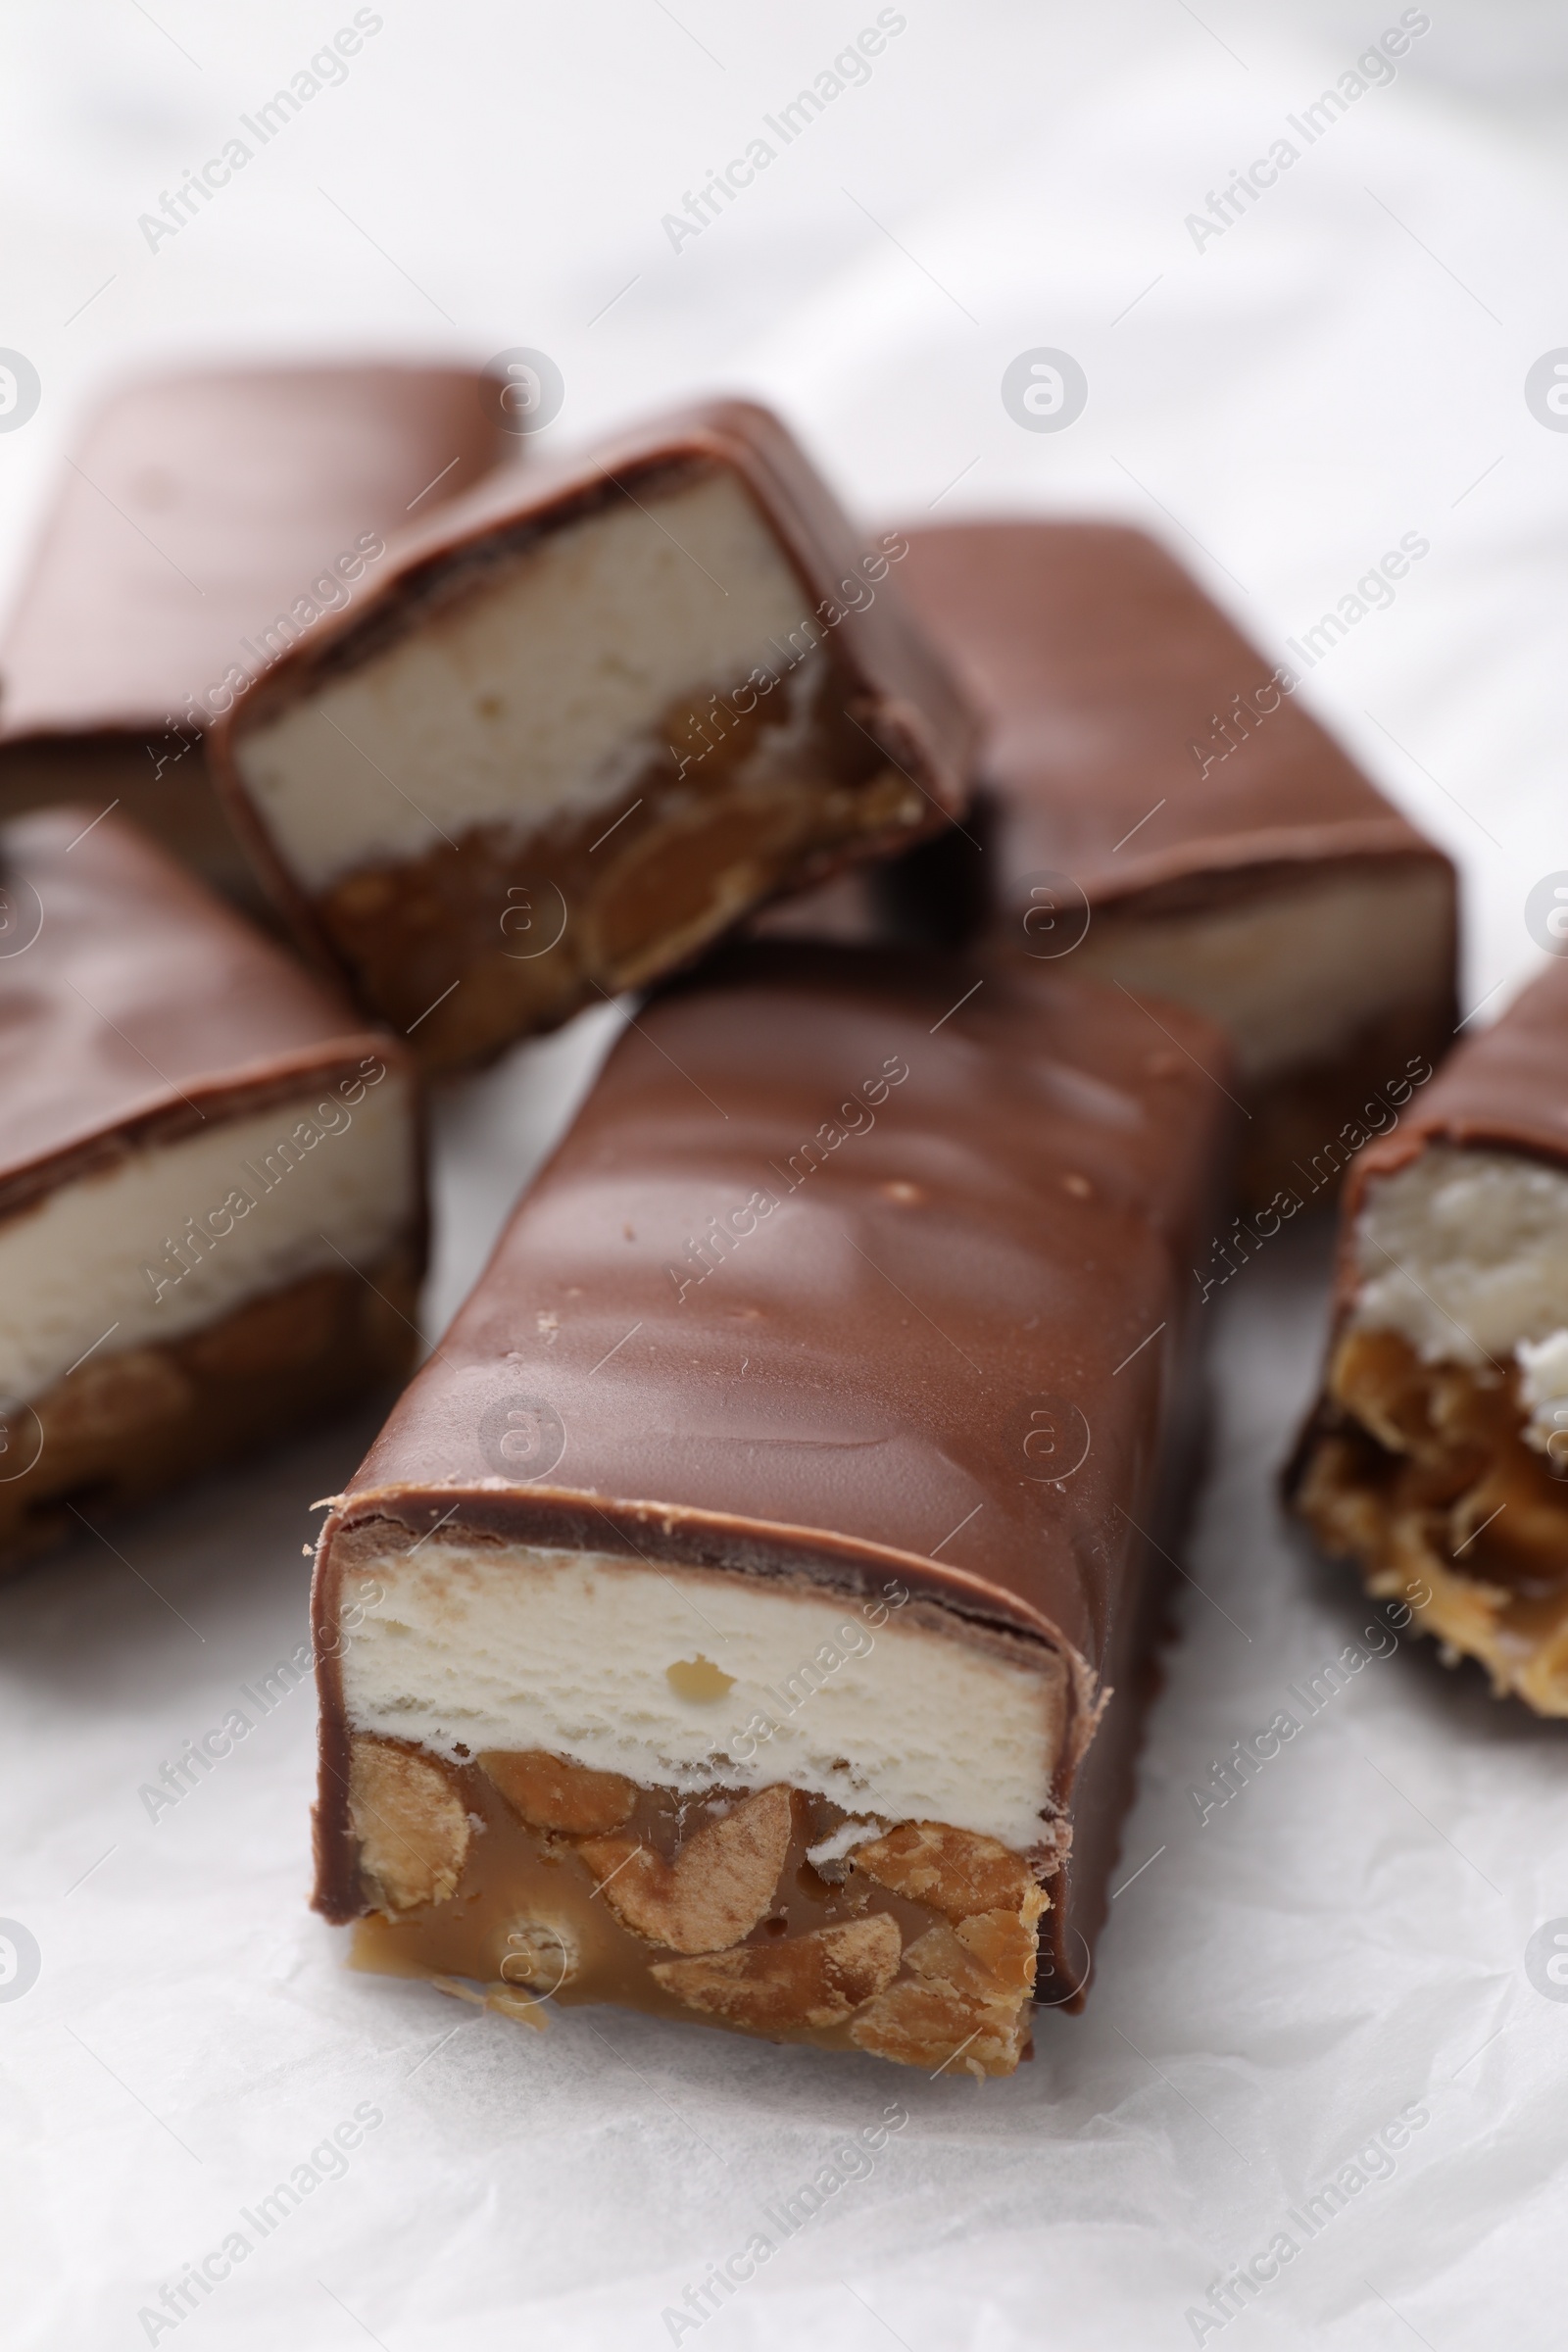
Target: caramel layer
(509, 931)
(1424, 1476)
(919, 1946)
(124, 1427)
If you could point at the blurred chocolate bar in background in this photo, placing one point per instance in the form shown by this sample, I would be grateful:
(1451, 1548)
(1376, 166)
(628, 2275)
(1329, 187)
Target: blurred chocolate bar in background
(1437, 1456)
(205, 522)
(1157, 804)
(851, 910)
(586, 724)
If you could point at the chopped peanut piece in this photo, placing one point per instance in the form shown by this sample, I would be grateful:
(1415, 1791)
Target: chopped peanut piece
(717, 1889)
(955, 1871)
(410, 1823)
(815, 1980)
(963, 2004)
(935, 2026)
(942, 1958)
(549, 1794)
(1005, 1945)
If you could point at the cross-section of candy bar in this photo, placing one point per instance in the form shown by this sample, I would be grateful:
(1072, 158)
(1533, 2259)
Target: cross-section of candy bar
(1437, 1456)
(741, 1616)
(587, 724)
(211, 1206)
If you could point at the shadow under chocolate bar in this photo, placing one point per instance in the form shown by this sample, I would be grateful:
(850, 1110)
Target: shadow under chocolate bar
(770, 1553)
(1158, 806)
(204, 524)
(1438, 1453)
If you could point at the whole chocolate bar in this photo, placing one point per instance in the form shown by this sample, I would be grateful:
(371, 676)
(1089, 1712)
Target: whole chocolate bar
(586, 724)
(211, 1208)
(205, 522)
(768, 1554)
(1158, 805)
(1438, 1454)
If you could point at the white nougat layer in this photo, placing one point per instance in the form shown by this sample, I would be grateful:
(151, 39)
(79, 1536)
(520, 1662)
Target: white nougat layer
(1466, 1254)
(459, 1649)
(539, 688)
(1297, 974)
(1544, 1390)
(90, 1266)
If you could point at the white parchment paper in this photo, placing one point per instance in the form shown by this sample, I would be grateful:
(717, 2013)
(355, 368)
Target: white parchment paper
(1326, 2044)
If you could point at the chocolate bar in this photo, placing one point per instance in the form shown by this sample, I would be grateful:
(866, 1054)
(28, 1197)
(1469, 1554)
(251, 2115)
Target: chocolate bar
(586, 724)
(211, 1211)
(768, 1555)
(205, 522)
(1438, 1453)
(849, 912)
(1158, 806)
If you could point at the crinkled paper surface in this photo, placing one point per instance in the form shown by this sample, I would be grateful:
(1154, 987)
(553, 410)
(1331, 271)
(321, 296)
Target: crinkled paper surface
(1324, 2041)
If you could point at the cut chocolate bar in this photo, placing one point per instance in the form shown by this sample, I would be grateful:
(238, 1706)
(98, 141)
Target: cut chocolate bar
(207, 521)
(210, 1210)
(1437, 1456)
(587, 724)
(742, 1615)
(1158, 806)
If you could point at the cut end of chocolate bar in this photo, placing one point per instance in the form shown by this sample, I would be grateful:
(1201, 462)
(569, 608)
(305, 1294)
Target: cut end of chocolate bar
(588, 729)
(1439, 1457)
(552, 1785)
(211, 1212)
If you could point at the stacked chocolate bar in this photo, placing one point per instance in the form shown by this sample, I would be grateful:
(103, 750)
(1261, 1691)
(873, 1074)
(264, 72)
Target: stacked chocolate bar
(745, 1614)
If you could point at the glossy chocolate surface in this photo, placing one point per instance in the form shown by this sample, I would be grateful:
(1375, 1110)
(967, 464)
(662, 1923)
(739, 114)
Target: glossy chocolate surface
(957, 1347)
(1108, 679)
(133, 1003)
(195, 508)
(195, 513)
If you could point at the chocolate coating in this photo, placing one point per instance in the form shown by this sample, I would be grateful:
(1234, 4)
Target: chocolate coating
(1098, 664)
(193, 512)
(140, 1003)
(989, 1263)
